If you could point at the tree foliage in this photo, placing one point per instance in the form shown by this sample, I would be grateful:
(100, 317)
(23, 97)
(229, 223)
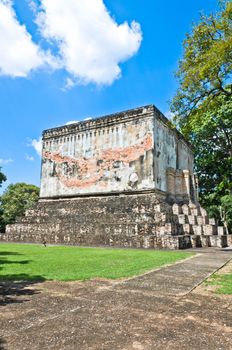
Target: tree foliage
(15, 200)
(205, 70)
(2, 177)
(212, 141)
(203, 104)
(223, 212)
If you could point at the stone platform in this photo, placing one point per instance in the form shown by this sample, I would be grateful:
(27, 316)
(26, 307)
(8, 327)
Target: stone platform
(143, 220)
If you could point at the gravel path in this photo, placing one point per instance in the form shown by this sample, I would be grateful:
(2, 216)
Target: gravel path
(182, 277)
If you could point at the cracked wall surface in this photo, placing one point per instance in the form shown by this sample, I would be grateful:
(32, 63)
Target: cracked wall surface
(127, 151)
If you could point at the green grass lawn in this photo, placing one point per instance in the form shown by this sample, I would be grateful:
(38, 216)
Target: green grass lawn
(35, 262)
(223, 282)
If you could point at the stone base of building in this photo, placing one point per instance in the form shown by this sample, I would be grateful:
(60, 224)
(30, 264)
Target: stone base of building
(144, 220)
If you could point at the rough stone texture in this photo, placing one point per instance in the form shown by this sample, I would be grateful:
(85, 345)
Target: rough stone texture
(127, 151)
(121, 180)
(140, 221)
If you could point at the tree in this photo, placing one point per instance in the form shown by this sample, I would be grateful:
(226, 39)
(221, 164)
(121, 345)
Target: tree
(223, 212)
(226, 212)
(205, 70)
(212, 141)
(203, 105)
(2, 177)
(15, 200)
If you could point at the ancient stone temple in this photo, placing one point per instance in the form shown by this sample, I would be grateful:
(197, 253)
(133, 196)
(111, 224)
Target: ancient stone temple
(121, 180)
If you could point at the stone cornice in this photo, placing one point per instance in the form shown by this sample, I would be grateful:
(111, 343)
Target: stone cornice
(102, 122)
(111, 120)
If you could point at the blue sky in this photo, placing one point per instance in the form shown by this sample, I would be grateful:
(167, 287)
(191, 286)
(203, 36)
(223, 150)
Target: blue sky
(71, 61)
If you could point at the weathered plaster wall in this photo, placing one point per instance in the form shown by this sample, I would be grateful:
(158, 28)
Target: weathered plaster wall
(164, 153)
(185, 158)
(171, 151)
(128, 151)
(106, 155)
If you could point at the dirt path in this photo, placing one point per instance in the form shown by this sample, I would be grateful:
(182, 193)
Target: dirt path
(154, 311)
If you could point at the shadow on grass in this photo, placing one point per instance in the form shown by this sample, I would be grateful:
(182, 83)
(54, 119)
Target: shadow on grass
(9, 253)
(5, 261)
(14, 287)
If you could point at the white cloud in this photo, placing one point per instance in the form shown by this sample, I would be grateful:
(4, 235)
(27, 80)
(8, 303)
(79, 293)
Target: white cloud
(18, 54)
(32, 5)
(30, 158)
(69, 84)
(77, 121)
(91, 43)
(72, 122)
(37, 145)
(6, 161)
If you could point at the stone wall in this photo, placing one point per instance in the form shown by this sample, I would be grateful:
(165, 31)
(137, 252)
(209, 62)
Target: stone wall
(103, 155)
(171, 151)
(143, 220)
(128, 151)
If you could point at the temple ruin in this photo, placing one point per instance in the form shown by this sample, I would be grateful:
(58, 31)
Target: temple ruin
(122, 180)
